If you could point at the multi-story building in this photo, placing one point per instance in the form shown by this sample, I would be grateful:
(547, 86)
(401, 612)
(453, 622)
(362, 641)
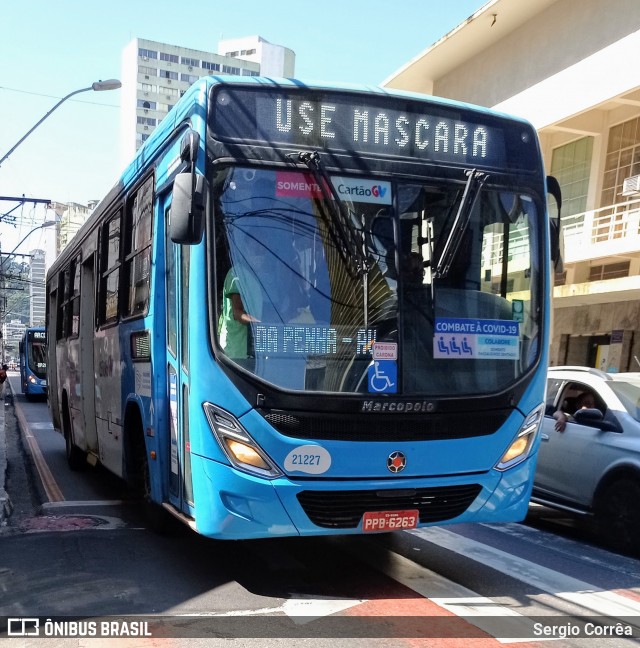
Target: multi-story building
(12, 332)
(70, 217)
(155, 75)
(568, 66)
(37, 292)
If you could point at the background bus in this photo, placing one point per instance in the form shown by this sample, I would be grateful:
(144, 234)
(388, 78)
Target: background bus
(33, 362)
(311, 310)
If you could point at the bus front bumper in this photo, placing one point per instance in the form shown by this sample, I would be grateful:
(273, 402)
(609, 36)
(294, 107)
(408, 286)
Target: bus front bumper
(230, 504)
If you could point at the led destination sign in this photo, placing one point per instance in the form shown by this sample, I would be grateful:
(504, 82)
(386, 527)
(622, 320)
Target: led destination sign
(300, 339)
(360, 123)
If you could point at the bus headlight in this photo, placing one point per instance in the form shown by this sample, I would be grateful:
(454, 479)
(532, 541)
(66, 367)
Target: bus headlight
(521, 446)
(241, 450)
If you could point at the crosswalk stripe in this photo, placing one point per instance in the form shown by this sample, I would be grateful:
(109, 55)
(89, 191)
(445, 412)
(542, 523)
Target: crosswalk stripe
(595, 557)
(586, 595)
(457, 599)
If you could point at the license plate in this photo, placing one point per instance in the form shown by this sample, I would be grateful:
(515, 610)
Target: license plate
(389, 520)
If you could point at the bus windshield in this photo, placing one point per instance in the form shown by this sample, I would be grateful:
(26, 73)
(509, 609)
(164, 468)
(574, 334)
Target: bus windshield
(448, 300)
(37, 354)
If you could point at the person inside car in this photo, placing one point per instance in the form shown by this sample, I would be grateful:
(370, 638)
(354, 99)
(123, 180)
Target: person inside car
(586, 400)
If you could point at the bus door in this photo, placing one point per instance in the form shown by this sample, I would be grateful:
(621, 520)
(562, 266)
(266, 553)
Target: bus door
(87, 335)
(178, 465)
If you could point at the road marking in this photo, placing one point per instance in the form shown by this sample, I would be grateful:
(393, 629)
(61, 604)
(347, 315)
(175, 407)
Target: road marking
(457, 599)
(586, 595)
(599, 557)
(41, 426)
(67, 503)
(309, 609)
(299, 610)
(51, 488)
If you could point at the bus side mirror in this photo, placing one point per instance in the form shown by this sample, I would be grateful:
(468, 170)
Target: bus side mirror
(555, 229)
(187, 208)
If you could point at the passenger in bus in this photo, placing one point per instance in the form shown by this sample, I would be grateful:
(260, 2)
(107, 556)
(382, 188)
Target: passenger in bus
(235, 335)
(242, 300)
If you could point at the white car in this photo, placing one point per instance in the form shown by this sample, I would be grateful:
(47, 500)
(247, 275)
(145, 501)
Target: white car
(592, 466)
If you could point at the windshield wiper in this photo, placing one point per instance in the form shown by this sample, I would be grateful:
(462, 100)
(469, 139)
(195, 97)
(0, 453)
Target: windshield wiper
(346, 237)
(452, 245)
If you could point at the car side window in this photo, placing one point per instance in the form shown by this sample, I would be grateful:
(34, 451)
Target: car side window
(577, 395)
(553, 385)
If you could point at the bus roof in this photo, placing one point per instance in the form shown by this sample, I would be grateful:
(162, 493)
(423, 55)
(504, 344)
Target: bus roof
(189, 109)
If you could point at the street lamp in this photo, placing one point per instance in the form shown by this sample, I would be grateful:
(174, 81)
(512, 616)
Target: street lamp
(48, 223)
(98, 86)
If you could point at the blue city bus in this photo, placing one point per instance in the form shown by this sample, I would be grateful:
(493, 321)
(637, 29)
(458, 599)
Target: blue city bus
(308, 310)
(32, 351)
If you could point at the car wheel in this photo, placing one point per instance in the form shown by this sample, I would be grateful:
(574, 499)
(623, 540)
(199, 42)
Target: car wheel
(618, 515)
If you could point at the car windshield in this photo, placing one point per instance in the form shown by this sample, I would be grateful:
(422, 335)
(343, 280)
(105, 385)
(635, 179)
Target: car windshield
(293, 309)
(628, 391)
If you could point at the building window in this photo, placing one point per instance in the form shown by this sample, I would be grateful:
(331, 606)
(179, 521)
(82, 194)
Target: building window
(622, 160)
(228, 69)
(147, 121)
(247, 52)
(571, 165)
(232, 54)
(147, 54)
(170, 58)
(189, 78)
(609, 271)
(146, 87)
(146, 105)
(190, 61)
(170, 92)
(166, 74)
(249, 73)
(214, 67)
(148, 71)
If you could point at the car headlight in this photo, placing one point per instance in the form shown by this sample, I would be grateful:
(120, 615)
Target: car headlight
(521, 445)
(241, 450)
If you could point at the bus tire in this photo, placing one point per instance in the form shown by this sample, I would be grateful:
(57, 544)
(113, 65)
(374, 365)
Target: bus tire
(156, 518)
(76, 458)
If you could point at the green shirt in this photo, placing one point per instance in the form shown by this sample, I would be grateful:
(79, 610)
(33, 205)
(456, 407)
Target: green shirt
(234, 334)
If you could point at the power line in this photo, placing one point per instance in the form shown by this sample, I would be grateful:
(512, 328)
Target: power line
(38, 94)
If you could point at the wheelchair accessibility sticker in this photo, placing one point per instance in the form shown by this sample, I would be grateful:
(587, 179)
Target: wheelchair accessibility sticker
(481, 339)
(383, 377)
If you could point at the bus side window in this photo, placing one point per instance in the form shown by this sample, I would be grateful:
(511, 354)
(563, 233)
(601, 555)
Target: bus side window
(69, 305)
(108, 301)
(137, 249)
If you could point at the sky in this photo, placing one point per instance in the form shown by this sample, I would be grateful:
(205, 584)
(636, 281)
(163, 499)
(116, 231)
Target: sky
(49, 49)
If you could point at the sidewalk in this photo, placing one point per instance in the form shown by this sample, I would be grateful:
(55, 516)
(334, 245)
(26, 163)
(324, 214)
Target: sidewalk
(5, 502)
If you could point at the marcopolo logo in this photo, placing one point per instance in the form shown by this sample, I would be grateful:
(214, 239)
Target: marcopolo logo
(368, 191)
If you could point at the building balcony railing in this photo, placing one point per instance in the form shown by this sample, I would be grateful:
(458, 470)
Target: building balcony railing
(603, 232)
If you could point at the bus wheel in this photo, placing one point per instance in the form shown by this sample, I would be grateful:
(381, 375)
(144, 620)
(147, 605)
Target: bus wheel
(76, 458)
(618, 515)
(156, 517)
